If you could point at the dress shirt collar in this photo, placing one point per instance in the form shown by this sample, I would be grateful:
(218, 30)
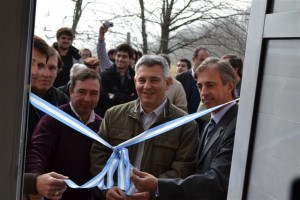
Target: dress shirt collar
(157, 110)
(193, 72)
(218, 116)
(149, 118)
(91, 118)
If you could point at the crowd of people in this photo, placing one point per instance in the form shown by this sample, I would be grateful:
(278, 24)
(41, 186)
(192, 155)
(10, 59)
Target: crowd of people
(119, 94)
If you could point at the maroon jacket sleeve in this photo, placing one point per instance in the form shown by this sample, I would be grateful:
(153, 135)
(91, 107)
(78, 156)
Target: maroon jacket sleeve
(43, 142)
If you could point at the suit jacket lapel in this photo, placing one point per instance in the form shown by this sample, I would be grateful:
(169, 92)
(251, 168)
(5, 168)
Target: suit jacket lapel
(218, 130)
(214, 136)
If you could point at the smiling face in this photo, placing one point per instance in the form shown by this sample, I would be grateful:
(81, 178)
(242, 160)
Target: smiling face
(122, 60)
(84, 96)
(64, 42)
(212, 90)
(151, 86)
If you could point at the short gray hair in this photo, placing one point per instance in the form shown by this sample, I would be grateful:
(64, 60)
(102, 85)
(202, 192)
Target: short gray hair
(76, 67)
(151, 60)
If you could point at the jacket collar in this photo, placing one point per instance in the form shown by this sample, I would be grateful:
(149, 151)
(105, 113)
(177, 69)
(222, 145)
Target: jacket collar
(114, 68)
(73, 51)
(135, 112)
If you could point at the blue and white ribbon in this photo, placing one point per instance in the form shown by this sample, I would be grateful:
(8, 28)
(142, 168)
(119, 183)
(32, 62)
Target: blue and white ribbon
(119, 158)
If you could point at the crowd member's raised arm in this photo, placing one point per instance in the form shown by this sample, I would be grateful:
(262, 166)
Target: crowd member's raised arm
(103, 57)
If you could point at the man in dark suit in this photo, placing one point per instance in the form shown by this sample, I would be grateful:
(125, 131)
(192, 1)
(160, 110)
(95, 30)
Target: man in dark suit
(189, 83)
(216, 82)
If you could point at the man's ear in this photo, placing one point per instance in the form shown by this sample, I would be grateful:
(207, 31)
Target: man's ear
(134, 79)
(230, 87)
(193, 59)
(168, 82)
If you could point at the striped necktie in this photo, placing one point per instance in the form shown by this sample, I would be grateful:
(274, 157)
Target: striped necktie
(211, 125)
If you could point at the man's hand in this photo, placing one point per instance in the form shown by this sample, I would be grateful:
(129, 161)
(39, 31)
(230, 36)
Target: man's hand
(103, 29)
(34, 197)
(139, 196)
(115, 193)
(50, 185)
(143, 181)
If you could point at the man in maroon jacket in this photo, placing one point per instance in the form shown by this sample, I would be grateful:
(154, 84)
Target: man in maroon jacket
(57, 147)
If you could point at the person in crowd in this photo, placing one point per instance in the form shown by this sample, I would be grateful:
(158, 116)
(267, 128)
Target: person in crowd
(188, 82)
(111, 55)
(93, 63)
(103, 56)
(66, 88)
(140, 54)
(134, 59)
(183, 65)
(85, 53)
(45, 64)
(57, 147)
(237, 64)
(69, 54)
(117, 80)
(175, 92)
(169, 155)
(216, 82)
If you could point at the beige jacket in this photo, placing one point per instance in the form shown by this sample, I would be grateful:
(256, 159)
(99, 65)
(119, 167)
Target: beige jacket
(177, 95)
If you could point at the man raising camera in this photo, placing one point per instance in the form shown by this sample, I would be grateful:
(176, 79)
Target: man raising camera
(117, 78)
(104, 60)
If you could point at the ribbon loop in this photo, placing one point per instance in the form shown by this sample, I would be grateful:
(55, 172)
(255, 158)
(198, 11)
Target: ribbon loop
(124, 170)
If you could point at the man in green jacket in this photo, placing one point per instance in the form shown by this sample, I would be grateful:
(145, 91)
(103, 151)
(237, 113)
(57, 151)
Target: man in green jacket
(169, 155)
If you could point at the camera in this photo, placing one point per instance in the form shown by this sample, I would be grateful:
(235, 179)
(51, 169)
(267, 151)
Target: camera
(108, 24)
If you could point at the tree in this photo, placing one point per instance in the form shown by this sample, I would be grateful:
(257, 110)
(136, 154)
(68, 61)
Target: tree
(230, 35)
(174, 16)
(77, 13)
(160, 26)
(220, 36)
(143, 24)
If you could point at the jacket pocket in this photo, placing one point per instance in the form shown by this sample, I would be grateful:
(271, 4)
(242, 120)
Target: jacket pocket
(165, 148)
(117, 136)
